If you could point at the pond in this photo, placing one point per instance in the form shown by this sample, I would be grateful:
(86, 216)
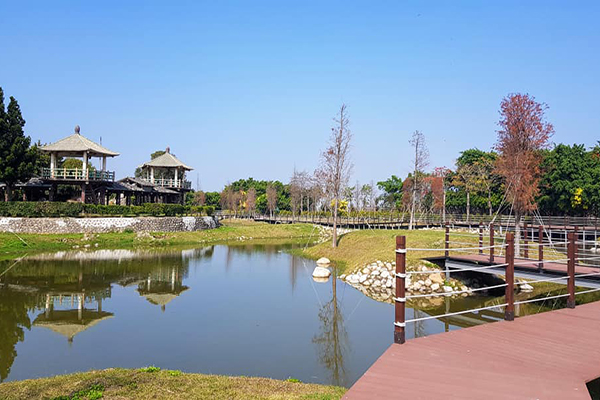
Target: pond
(249, 310)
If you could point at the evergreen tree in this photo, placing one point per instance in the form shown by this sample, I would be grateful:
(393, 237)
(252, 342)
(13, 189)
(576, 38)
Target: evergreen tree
(17, 158)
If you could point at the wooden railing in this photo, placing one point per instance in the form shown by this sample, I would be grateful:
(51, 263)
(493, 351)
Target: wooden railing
(77, 174)
(170, 183)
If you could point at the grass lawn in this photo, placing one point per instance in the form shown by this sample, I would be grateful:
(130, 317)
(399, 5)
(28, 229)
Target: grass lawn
(358, 248)
(151, 383)
(13, 246)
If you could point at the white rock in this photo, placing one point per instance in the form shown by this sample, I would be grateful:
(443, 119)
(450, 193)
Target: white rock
(448, 289)
(377, 283)
(362, 278)
(375, 273)
(428, 282)
(343, 276)
(385, 273)
(436, 278)
(435, 286)
(320, 280)
(320, 272)
(366, 271)
(525, 287)
(323, 261)
(367, 282)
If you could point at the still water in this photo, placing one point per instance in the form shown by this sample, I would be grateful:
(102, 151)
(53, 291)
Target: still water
(249, 310)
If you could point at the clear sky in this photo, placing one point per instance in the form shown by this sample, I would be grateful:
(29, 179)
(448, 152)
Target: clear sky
(249, 88)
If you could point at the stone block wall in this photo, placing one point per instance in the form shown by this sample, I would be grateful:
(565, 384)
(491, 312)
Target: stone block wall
(109, 224)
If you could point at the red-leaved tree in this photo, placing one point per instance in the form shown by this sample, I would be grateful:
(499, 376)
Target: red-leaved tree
(523, 133)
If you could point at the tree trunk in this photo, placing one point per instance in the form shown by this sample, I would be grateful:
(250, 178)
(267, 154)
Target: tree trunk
(468, 206)
(490, 203)
(412, 209)
(518, 218)
(444, 206)
(335, 213)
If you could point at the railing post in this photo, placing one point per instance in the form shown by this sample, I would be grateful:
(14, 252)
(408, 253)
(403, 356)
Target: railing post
(541, 247)
(480, 237)
(509, 313)
(571, 254)
(447, 241)
(491, 243)
(400, 299)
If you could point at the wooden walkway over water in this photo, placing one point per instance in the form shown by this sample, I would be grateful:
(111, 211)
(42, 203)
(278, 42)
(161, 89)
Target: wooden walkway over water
(544, 356)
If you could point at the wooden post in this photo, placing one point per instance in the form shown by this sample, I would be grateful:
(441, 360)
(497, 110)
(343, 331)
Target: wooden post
(447, 241)
(480, 237)
(509, 313)
(571, 254)
(400, 300)
(491, 243)
(541, 247)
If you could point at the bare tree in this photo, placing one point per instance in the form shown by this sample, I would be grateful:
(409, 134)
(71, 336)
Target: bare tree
(271, 199)
(420, 162)
(467, 177)
(251, 201)
(199, 198)
(442, 173)
(296, 193)
(336, 165)
(523, 132)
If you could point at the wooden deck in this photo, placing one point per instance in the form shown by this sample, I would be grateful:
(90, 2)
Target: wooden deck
(526, 264)
(544, 356)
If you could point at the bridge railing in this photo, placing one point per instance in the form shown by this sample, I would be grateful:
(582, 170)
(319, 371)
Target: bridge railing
(473, 245)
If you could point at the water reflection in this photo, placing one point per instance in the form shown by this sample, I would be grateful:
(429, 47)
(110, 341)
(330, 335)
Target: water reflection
(238, 310)
(332, 341)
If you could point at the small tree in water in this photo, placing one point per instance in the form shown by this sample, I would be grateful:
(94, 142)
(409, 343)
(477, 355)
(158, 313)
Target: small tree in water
(523, 133)
(336, 165)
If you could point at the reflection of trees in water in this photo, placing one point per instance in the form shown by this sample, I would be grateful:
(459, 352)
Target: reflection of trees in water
(332, 342)
(419, 326)
(28, 285)
(14, 318)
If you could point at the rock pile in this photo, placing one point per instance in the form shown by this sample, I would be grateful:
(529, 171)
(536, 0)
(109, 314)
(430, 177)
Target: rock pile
(377, 280)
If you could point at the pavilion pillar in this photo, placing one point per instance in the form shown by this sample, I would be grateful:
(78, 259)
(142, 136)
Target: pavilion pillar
(52, 192)
(128, 199)
(152, 174)
(83, 193)
(85, 163)
(52, 164)
(176, 177)
(80, 307)
(118, 198)
(103, 163)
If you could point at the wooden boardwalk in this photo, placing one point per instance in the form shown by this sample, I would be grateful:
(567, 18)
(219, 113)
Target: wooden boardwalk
(524, 264)
(544, 356)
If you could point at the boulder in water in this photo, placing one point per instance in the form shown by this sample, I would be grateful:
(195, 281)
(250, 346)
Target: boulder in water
(320, 272)
(323, 261)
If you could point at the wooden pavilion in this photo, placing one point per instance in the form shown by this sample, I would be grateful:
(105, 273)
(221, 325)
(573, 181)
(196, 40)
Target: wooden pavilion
(167, 171)
(94, 182)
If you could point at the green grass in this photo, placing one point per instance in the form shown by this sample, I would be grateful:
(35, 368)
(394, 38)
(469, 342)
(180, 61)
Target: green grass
(136, 384)
(13, 246)
(358, 248)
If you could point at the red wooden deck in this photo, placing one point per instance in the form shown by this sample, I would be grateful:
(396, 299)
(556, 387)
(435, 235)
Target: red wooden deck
(544, 356)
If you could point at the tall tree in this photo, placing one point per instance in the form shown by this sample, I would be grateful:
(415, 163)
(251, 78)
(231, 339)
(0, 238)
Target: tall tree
(442, 173)
(420, 162)
(393, 191)
(251, 200)
(523, 133)
(336, 164)
(271, 199)
(17, 158)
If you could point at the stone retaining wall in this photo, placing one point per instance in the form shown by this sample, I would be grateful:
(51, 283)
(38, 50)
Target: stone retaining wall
(109, 224)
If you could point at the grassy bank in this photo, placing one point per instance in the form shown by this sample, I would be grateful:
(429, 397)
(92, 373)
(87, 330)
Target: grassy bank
(358, 248)
(13, 246)
(151, 383)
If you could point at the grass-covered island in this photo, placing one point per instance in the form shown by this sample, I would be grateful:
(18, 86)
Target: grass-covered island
(153, 383)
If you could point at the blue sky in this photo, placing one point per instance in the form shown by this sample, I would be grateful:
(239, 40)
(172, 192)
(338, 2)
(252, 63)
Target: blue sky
(240, 89)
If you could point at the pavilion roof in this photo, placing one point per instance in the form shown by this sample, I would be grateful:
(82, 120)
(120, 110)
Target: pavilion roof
(167, 160)
(77, 143)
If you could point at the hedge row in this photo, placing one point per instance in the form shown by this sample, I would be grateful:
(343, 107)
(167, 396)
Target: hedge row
(51, 209)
